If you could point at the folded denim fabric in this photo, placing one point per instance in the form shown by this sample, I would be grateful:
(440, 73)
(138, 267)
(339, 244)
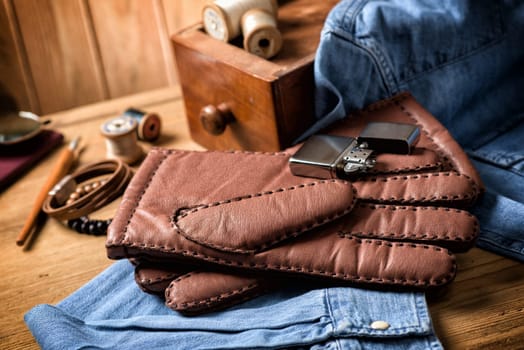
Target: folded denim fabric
(461, 59)
(111, 312)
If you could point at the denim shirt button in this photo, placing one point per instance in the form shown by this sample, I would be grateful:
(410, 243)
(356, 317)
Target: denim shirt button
(380, 325)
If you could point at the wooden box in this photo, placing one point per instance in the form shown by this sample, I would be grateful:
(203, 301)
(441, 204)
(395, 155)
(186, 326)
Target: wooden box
(236, 100)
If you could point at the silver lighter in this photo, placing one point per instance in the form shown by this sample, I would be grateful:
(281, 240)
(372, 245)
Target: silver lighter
(329, 156)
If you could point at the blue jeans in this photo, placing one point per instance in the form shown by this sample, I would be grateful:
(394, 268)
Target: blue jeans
(461, 59)
(111, 312)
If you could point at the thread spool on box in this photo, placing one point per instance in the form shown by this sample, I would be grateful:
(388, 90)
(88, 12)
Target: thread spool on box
(256, 20)
(237, 100)
(222, 19)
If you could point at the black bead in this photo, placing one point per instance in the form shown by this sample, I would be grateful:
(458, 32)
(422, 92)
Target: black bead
(71, 223)
(75, 224)
(84, 226)
(91, 227)
(101, 226)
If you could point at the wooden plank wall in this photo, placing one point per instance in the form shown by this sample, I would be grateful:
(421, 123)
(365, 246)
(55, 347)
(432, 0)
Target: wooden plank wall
(58, 54)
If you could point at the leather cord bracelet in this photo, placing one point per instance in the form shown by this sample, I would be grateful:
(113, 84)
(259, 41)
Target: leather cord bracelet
(86, 191)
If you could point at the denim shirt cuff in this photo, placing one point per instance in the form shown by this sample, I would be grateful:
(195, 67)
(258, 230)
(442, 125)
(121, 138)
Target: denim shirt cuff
(112, 312)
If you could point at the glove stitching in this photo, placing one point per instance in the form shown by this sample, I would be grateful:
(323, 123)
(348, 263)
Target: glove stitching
(343, 276)
(402, 170)
(165, 154)
(207, 301)
(167, 277)
(174, 151)
(449, 236)
(294, 232)
(398, 100)
(284, 154)
(249, 196)
(445, 157)
(453, 197)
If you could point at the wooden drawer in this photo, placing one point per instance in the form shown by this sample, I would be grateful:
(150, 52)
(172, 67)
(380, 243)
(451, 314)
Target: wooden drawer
(270, 101)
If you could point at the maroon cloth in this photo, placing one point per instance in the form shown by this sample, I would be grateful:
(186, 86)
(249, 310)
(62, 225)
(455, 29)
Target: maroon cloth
(16, 159)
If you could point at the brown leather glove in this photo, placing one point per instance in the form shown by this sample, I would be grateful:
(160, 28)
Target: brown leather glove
(246, 211)
(185, 286)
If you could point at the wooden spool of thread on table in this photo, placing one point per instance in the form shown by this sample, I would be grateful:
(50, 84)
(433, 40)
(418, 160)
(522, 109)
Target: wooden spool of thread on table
(149, 124)
(261, 36)
(256, 19)
(121, 139)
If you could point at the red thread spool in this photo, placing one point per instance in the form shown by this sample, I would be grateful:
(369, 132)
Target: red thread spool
(149, 124)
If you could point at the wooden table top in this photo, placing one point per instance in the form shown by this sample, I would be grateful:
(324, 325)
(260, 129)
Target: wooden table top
(482, 309)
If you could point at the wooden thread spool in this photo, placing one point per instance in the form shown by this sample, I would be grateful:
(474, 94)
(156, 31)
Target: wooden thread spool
(121, 139)
(149, 124)
(261, 36)
(222, 18)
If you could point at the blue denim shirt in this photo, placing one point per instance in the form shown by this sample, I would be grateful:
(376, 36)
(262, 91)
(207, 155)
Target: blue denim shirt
(111, 312)
(461, 59)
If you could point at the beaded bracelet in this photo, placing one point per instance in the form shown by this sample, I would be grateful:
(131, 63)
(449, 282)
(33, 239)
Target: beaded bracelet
(84, 224)
(82, 192)
(91, 227)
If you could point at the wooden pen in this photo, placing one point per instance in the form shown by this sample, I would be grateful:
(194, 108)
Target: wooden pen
(58, 172)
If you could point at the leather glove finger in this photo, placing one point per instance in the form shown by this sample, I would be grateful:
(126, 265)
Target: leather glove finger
(192, 290)
(155, 278)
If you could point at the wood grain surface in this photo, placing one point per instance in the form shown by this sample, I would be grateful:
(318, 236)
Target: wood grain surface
(60, 54)
(482, 309)
(129, 38)
(64, 67)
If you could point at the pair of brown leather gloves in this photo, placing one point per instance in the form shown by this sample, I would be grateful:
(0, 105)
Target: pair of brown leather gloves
(211, 229)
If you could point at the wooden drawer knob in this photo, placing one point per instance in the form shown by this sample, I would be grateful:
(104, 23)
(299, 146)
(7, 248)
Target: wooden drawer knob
(215, 119)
